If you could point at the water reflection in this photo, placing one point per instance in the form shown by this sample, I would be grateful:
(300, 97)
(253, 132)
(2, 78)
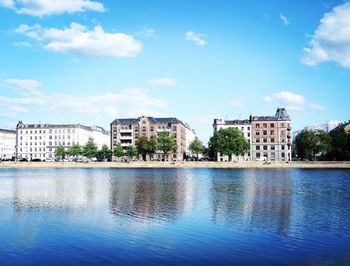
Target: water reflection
(247, 198)
(159, 195)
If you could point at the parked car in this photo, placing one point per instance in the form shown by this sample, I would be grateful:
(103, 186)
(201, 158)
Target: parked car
(36, 160)
(23, 160)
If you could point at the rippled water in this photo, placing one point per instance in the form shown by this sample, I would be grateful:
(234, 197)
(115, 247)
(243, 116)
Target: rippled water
(174, 216)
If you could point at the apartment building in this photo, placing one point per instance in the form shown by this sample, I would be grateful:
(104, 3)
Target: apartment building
(271, 137)
(7, 144)
(39, 141)
(128, 131)
(245, 127)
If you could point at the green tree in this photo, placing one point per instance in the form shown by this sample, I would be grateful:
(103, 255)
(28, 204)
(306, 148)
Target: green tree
(118, 151)
(142, 147)
(60, 152)
(152, 146)
(75, 150)
(196, 147)
(340, 150)
(166, 143)
(105, 152)
(228, 141)
(90, 149)
(131, 152)
(310, 143)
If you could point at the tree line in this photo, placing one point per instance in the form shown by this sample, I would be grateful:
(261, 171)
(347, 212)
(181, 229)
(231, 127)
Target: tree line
(320, 145)
(225, 141)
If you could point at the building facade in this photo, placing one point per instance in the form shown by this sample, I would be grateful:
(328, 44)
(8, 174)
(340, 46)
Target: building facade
(271, 137)
(245, 127)
(128, 131)
(39, 141)
(7, 144)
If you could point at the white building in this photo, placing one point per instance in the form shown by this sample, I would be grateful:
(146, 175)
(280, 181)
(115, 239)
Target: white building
(245, 127)
(7, 144)
(190, 137)
(39, 141)
(326, 126)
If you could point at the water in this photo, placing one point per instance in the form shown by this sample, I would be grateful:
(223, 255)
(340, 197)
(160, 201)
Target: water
(174, 216)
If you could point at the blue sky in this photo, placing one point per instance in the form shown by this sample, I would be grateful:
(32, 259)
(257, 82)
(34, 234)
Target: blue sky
(91, 61)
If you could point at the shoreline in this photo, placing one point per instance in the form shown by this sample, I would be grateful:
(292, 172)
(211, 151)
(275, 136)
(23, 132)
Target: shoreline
(214, 165)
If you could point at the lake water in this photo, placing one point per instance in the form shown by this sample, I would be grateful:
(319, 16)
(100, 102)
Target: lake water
(174, 216)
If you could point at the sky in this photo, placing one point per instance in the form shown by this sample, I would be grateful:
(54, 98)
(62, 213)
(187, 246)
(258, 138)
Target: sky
(91, 61)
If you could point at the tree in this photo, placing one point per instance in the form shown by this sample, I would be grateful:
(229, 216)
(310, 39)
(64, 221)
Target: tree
(90, 149)
(105, 152)
(75, 150)
(228, 141)
(131, 151)
(145, 146)
(166, 143)
(118, 151)
(340, 145)
(196, 147)
(310, 143)
(142, 147)
(60, 152)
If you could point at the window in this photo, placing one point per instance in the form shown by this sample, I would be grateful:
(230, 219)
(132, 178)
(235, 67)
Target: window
(265, 140)
(258, 155)
(242, 128)
(272, 132)
(282, 147)
(283, 155)
(248, 134)
(257, 140)
(272, 147)
(174, 128)
(265, 132)
(272, 140)
(258, 148)
(257, 125)
(264, 125)
(264, 147)
(272, 125)
(257, 133)
(248, 128)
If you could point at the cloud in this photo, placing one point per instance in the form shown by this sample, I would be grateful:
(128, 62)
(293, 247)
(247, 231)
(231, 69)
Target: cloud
(22, 44)
(40, 8)
(331, 40)
(164, 82)
(292, 101)
(30, 97)
(79, 40)
(196, 38)
(284, 19)
(147, 32)
(238, 102)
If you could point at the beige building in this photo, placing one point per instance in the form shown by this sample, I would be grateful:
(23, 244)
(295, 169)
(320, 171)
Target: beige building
(128, 131)
(271, 137)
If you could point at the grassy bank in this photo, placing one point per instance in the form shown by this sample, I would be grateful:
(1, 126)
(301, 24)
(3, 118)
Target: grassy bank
(175, 165)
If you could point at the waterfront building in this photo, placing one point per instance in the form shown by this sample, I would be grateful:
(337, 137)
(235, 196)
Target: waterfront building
(245, 127)
(271, 137)
(345, 126)
(127, 131)
(7, 144)
(39, 141)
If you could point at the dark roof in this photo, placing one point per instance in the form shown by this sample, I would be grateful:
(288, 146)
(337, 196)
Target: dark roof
(20, 125)
(152, 120)
(281, 115)
(8, 131)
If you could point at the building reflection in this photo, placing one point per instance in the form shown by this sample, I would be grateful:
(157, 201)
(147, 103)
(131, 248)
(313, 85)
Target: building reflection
(59, 193)
(254, 200)
(153, 195)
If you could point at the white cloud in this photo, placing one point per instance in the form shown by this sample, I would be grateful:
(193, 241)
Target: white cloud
(292, 101)
(41, 8)
(284, 19)
(164, 82)
(110, 103)
(22, 44)
(331, 40)
(7, 3)
(147, 32)
(196, 38)
(77, 39)
(238, 102)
